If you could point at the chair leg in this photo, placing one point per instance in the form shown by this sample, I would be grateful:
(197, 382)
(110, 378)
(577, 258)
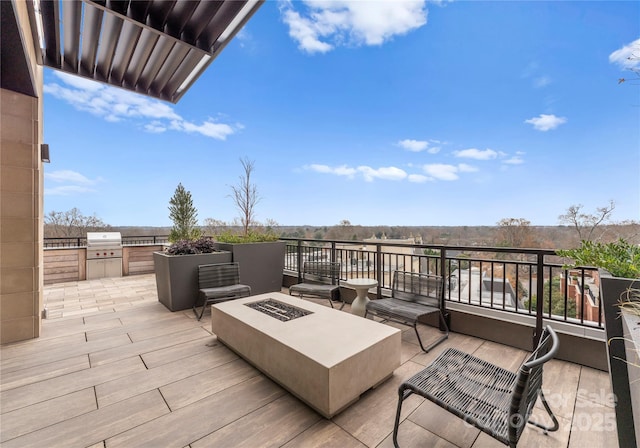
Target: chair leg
(546, 429)
(195, 310)
(441, 339)
(396, 425)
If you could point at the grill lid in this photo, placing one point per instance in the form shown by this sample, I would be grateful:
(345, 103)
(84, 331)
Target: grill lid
(104, 239)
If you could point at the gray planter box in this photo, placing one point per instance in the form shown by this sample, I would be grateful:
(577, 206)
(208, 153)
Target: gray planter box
(631, 332)
(612, 290)
(261, 264)
(177, 277)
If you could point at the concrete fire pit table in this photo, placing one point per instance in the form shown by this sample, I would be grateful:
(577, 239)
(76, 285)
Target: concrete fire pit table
(325, 357)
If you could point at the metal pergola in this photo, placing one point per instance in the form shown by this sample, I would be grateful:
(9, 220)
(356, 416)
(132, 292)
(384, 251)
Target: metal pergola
(154, 47)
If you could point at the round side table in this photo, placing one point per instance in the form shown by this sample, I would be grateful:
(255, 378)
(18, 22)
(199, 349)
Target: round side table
(362, 286)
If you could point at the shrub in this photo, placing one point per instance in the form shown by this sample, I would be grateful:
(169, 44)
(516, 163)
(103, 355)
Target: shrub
(620, 258)
(250, 237)
(186, 247)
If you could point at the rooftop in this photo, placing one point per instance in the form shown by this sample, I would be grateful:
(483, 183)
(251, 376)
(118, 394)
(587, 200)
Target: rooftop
(115, 368)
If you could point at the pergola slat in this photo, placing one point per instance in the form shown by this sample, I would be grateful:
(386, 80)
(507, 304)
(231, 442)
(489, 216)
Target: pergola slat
(154, 47)
(71, 16)
(90, 34)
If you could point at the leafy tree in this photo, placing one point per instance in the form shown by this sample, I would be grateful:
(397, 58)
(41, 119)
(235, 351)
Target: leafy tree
(432, 261)
(72, 224)
(557, 300)
(586, 224)
(245, 195)
(184, 216)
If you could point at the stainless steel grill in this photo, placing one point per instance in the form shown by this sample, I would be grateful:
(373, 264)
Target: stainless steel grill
(104, 254)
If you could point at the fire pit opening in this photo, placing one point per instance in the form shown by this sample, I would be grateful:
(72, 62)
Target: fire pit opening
(278, 310)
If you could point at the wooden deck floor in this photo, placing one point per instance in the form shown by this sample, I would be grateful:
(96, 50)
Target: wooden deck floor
(115, 368)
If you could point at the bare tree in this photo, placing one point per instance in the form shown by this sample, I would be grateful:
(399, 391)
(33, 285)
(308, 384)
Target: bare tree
(72, 223)
(515, 232)
(214, 226)
(245, 195)
(585, 224)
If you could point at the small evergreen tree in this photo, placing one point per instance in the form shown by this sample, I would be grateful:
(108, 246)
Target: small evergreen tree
(184, 216)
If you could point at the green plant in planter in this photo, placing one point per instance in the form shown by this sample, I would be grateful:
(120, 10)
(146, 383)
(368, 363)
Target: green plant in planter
(620, 258)
(622, 261)
(202, 245)
(250, 237)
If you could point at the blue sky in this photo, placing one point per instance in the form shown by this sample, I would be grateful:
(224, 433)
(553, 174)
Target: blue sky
(380, 113)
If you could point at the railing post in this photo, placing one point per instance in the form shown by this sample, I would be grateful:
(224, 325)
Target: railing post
(540, 299)
(299, 248)
(443, 272)
(333, 251)
(379, 276)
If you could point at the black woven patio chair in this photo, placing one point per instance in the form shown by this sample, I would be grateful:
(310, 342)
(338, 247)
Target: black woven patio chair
(413, 297)
(219, 282)
(492, 399)
(319, 279)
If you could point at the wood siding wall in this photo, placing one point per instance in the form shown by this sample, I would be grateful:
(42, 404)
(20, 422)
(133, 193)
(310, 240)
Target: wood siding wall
(69, 265)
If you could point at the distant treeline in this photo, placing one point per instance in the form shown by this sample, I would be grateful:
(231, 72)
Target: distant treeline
(548, 237)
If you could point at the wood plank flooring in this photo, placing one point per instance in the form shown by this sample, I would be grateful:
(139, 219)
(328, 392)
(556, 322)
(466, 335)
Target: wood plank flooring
(114, 368)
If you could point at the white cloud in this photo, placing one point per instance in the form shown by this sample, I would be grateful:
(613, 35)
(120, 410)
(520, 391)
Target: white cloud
(70, 176)
(420, 145)
(414, 145)
(441, 171)
(368, 173)
(433, 172)
(209, 128)
(115, 105)
(318, 26)
(546, 122)
(515, 160)
(418, 178)
(79, 82)
(342, 170)
(155, 127)
(474, 153)
(388, 173)
(79, 183)
(67, 190)
(464, 168)
(628, 56)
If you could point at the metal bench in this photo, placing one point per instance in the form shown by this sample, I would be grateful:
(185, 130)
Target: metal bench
(413, 297)
(494, 400)
(319, 279)
(217, 283)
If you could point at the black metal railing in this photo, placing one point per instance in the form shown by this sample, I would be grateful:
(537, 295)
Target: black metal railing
(152, 239)
(62, 242)
(81, 241)
(505, 279)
